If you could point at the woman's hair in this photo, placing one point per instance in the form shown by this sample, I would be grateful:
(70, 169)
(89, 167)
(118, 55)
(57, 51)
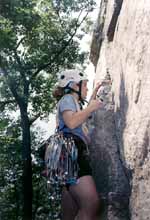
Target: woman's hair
(58, 92)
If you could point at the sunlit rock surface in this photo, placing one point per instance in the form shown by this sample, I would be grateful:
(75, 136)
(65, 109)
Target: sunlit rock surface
(121, 139)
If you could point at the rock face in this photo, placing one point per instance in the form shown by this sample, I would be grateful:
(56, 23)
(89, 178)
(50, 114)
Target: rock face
(121, 48)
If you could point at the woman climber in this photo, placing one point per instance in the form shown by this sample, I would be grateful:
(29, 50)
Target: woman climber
(80, 200)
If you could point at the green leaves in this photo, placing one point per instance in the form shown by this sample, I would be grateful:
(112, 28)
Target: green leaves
(8, 37)
(38, 36)
(10, 169)
(41, 95)
(69, 6)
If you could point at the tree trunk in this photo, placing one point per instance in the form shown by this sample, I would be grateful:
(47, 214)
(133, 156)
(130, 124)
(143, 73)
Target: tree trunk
(27, 167)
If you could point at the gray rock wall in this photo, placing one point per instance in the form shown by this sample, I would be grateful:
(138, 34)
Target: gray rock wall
(122, 134)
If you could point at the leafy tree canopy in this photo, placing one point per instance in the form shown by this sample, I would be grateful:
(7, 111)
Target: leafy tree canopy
(37, 39)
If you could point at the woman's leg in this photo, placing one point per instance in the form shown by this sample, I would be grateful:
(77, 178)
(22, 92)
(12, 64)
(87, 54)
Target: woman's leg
(69, 206)
(86, 196)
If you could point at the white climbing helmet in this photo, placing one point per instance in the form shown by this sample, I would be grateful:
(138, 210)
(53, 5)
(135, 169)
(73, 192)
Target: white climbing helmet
(71, 75)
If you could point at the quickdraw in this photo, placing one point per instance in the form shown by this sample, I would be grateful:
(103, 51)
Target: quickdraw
(61, 160)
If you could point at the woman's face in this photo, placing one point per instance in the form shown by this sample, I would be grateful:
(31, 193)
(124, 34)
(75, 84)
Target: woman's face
(84, 89)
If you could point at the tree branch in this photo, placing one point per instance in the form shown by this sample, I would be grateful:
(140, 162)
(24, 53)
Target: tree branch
(60, 21)
(50, 64)
(22, 70)
(19, 43)
(18, 59)
(21, 67)
(32, 120)
(22, 100)
(12, 86)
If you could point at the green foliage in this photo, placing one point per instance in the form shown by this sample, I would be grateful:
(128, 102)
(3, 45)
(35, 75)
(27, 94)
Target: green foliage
(10, 169)
(11, 198)
(36, 36)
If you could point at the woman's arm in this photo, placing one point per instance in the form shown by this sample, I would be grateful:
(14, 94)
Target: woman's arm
(74, 119)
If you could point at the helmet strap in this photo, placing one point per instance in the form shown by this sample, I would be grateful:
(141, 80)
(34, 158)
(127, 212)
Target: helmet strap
(82, 101)
(69, 89)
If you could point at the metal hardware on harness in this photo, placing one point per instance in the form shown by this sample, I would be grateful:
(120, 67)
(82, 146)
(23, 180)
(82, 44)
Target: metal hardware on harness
(61, 160)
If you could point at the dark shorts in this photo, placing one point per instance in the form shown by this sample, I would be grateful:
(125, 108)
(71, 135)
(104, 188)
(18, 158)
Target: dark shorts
(83, 156)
